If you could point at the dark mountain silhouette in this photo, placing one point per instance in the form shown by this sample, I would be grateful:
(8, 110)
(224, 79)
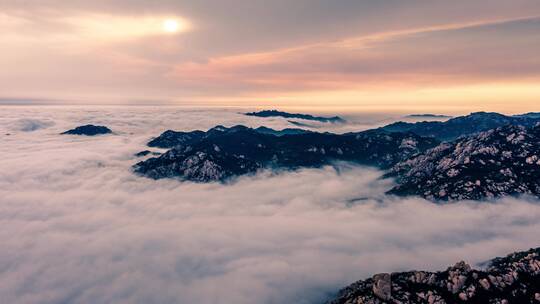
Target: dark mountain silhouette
(222, 153)
(463, 125)
(275, 113)
(89, 130)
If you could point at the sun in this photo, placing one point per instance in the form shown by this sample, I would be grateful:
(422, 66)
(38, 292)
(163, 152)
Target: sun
(171, 26)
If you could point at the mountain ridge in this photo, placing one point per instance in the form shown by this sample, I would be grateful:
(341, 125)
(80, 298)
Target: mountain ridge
(222, 153)
(499, 162)
(463, 125)
(502, 161)
(276, 113)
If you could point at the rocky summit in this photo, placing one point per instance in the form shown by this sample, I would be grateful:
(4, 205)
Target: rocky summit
(221, 153)
(495, 163)
(89, 130)
(508, 280)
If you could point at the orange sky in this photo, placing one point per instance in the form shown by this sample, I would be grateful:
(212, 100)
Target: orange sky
(446, 56)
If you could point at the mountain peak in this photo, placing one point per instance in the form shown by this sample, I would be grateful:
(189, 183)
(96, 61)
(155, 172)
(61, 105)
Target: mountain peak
(494, 163)
(511, 279)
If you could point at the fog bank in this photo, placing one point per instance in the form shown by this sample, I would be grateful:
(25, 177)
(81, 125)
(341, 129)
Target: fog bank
(78, 227)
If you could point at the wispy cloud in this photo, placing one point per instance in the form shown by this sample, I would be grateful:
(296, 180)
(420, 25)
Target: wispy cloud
(412, 57)
(114, 50)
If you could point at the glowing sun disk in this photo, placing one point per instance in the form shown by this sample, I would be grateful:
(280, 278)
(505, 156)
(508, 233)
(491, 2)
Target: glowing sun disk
(171, 26)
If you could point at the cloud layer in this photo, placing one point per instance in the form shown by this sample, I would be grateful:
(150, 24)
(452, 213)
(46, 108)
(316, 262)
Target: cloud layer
(78, 227)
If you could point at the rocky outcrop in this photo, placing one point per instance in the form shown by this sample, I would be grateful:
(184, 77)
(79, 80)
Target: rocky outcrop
(512, 279)
(382, 286)
(89, 130)
(221, 153)
(495, 163)
(463, 125)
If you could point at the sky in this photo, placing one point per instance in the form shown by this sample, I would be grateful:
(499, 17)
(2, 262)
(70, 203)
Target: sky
(417, 55)
(77, 226)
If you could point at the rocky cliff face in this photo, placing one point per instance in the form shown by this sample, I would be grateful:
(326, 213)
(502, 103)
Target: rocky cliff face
(499, 162)
(512, 279)
(222, 153)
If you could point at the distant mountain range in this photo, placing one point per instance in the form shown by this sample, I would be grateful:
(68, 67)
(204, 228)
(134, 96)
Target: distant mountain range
(222, 153)
(511, 279)
(275, 113)
(420, 116)
(485, 154)
(463, 125)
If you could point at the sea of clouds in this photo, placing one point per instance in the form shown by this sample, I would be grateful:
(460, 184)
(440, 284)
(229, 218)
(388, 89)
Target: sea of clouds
(77, 226)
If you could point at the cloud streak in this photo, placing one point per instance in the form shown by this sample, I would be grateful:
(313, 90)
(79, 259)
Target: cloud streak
(435, 55)
(78, 227)
(113, 51)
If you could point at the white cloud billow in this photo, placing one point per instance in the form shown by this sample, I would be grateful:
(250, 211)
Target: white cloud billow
(78, 227)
